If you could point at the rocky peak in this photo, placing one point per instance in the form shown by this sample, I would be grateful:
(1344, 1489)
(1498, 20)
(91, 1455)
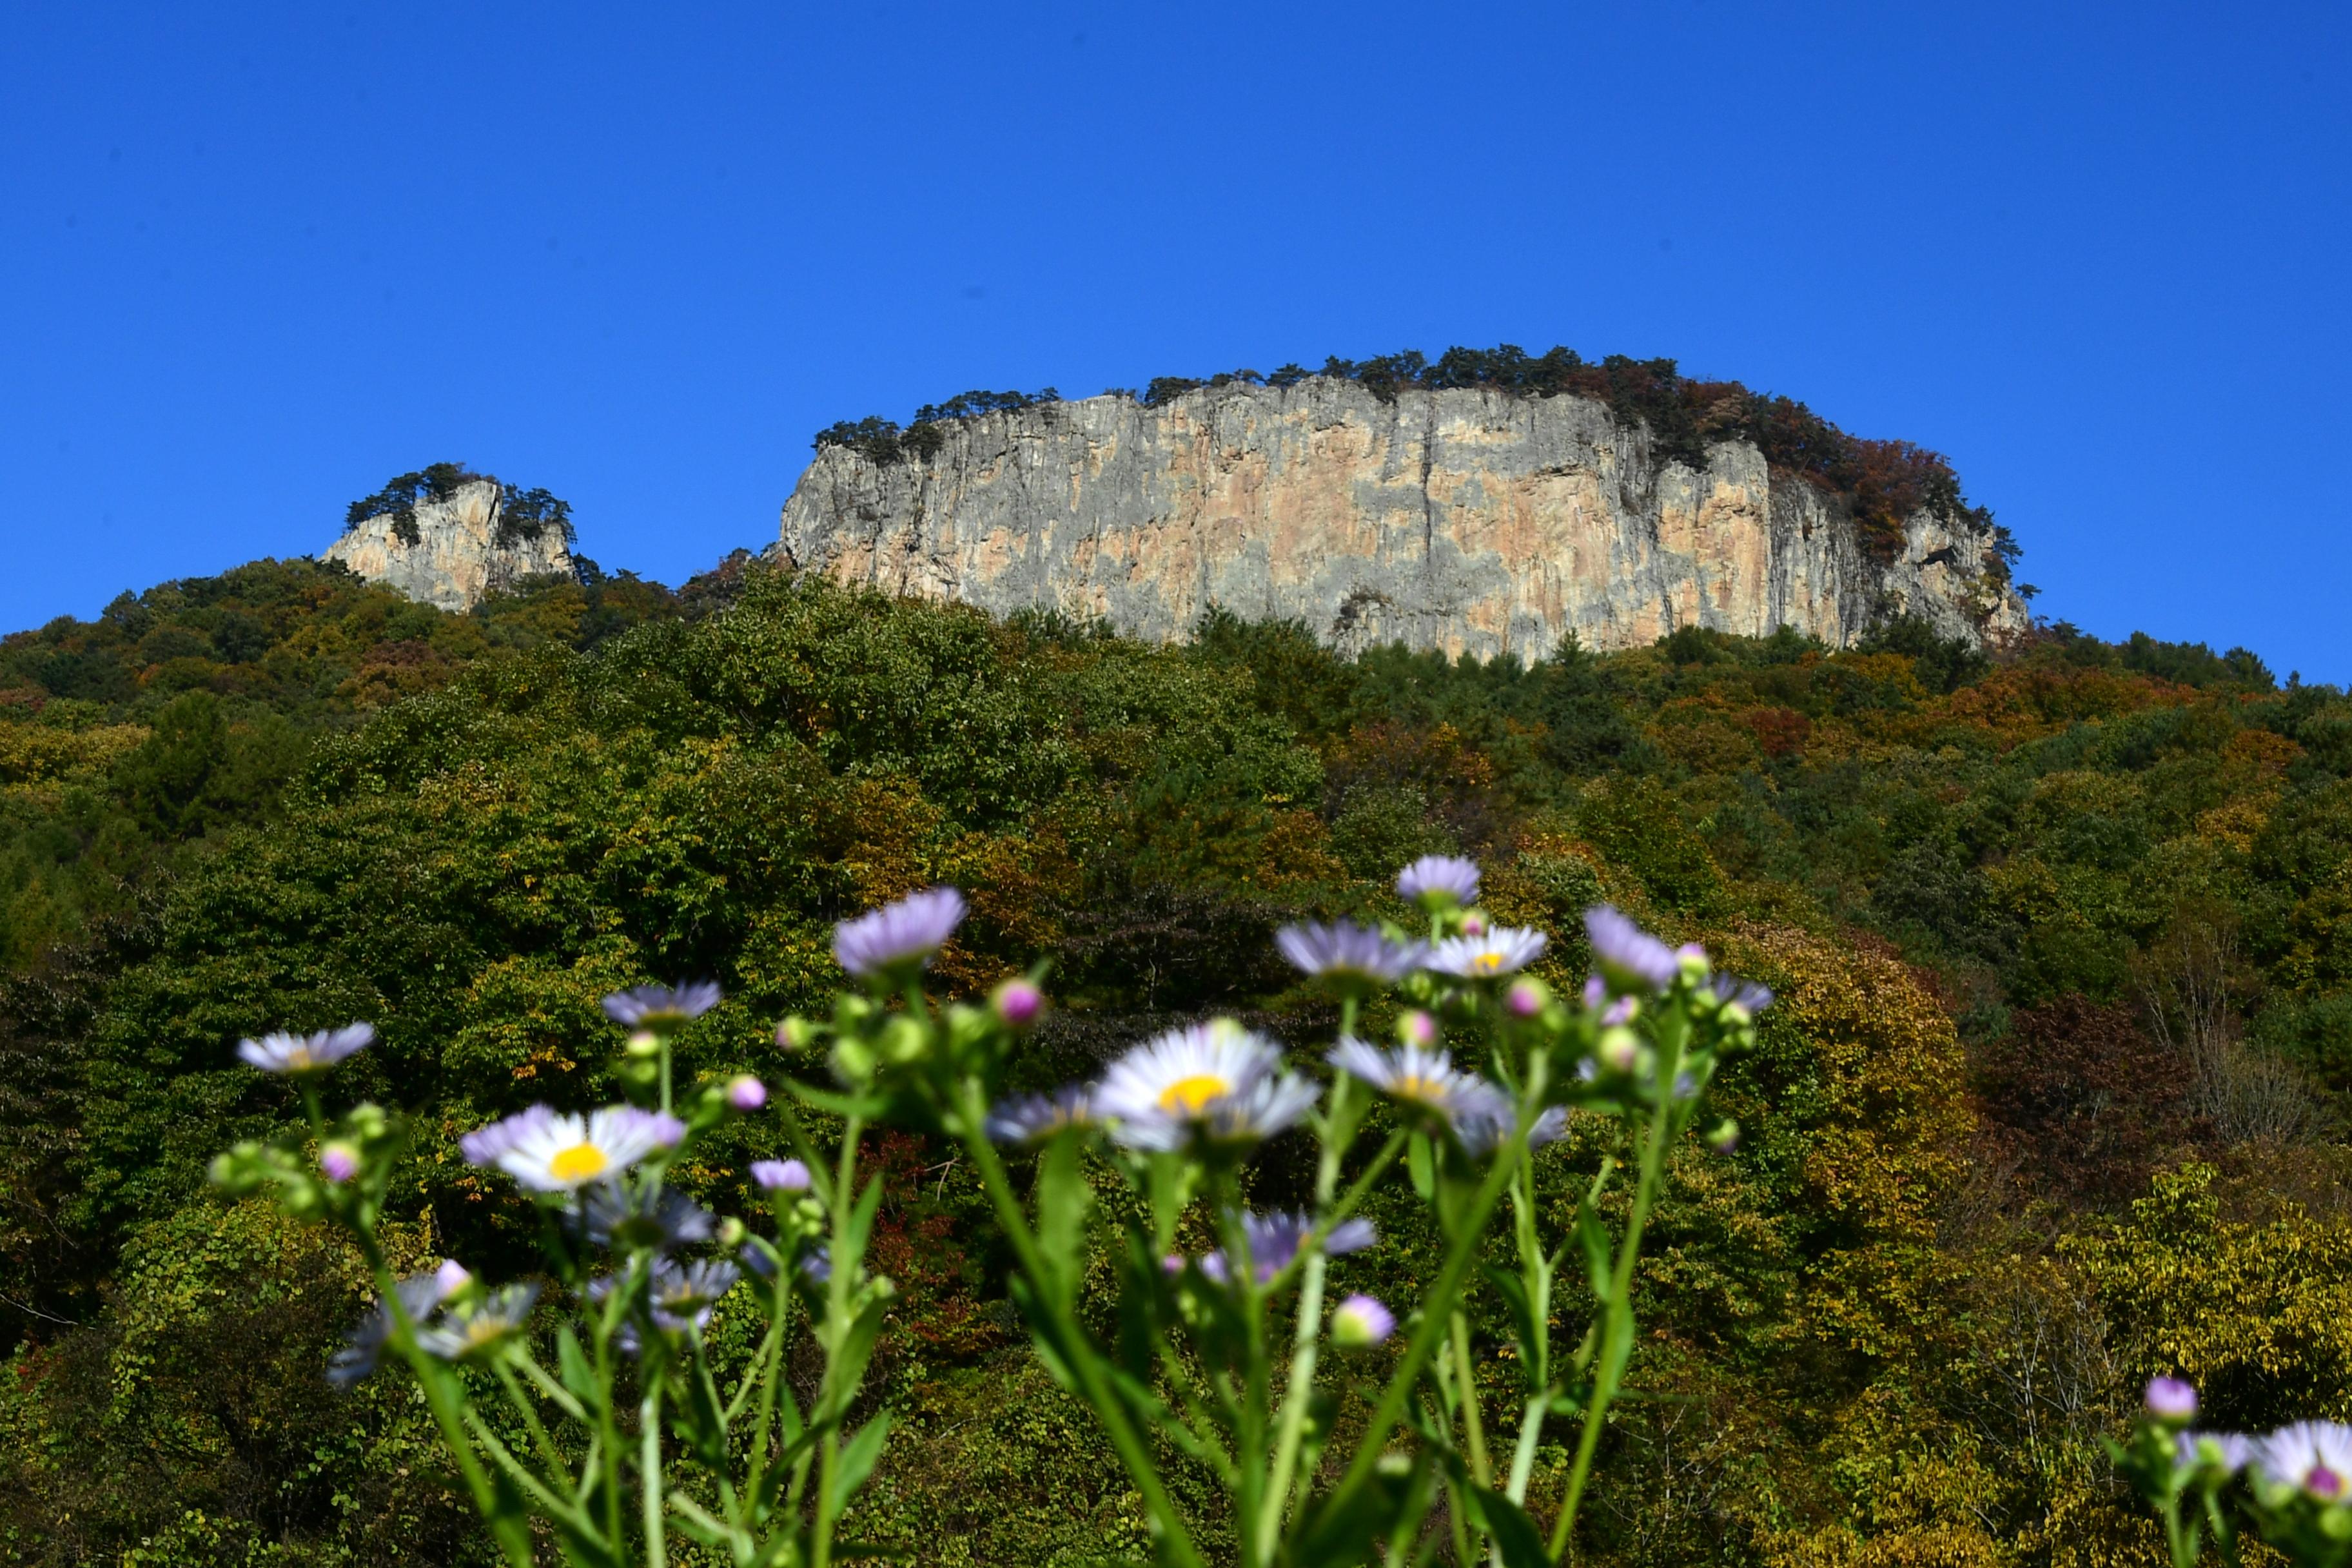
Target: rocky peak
(1465, 518)
(451, 551)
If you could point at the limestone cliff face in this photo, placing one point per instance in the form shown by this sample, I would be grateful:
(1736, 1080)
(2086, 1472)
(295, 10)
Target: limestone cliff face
(456, 560)
(1467, 520)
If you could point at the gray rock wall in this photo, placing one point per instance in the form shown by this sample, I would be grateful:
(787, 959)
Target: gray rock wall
(1467, 520)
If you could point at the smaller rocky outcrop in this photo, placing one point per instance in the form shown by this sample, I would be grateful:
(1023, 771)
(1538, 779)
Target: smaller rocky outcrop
(451, 552)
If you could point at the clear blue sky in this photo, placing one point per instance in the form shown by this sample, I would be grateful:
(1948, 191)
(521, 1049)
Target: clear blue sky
(254, 258)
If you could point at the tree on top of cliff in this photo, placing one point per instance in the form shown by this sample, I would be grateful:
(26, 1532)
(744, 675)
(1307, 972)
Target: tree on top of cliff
(522, 514)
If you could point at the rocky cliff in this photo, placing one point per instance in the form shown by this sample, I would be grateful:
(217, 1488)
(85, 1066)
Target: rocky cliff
(457, 557)
(1472, 521)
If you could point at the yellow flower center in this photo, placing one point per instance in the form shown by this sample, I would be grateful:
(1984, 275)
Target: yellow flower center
(1413, 1086)
(1487, 962)
(580, 1163)
(1190, 1094)
(484, 1329)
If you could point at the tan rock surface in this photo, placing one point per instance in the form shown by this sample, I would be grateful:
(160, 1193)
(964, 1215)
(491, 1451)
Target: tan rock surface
(456, 560)
(1467, 520)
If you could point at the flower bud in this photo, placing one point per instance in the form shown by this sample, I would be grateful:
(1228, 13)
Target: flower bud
(731, 1232)
(339, 1161)
(1173, 1264)
(1596, 992)
(906, 1039)
(451, 1278)
(781, 1175)
(1361, 1322)
(746, 1093)
(1620, 1049)
(1693, 959)
(1018, 1003)
(1417, 1029)
(2171, 1401)
(1724, 1137)
(643, 1044)
(1474, 923)
(1526, 997)
(795, 1033)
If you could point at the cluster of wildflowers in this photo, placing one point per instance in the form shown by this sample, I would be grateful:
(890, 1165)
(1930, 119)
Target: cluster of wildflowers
(638, 1269)
(1225, 1354)
(2294, 1484)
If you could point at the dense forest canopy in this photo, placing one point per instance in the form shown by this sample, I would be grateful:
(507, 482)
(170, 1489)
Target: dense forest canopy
(1885, 481)
(2054, 1099)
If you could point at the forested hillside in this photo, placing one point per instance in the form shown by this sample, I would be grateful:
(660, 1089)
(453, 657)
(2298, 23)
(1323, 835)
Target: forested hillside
(2053, 1099)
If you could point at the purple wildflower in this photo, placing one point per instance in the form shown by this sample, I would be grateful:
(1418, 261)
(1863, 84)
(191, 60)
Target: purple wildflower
(1505, 949)
(2313, 1457)
(746, 1093)
(1018, 1002)
(1439, 882)
(1275, 1239)
(781, 1175)
(2170, 1399)
(299, 1055)
(1033, 1117)
(1348, 955)
(897, 935)
(1745, 994)
(662, 1008)
(550, 1152)
(1361, 1322)
(1630, 959)
(339, 1161)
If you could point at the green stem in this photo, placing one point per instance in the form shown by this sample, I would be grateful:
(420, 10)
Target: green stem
(1617, 1336)
(1308, 1333)
(1474, 1428)
(1178, 1542)
(838, 1324)
(1431, 1330)
(649, 1473)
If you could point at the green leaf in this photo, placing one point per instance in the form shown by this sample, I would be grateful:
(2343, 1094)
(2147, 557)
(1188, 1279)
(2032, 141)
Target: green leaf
(856, 1460)
(1514, 1535)
(1063, 1199)
(571, 1365)
(1421, 1160)
(1594, 1237)
(1514, 1292)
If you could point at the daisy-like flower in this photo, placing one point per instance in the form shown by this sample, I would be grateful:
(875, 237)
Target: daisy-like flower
(2170, 1399)
(2313, 1456)
(1348, 956)
(2231, 1450)
(1549, 1128)
(659, 1222)
(662, 1008)
(552, 1153)
(1361, 1322)
(1745, 994)
(1439, 882)
(468, 1329)
(1215, 1081)
(1629, 958)
(1033, 1117)
(1426, 1080)
(781, 1175)
(363, 1347)
(1504, 949)
(895, 935)
(681, 1295)
(299, 1055)
(1276, 1239)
